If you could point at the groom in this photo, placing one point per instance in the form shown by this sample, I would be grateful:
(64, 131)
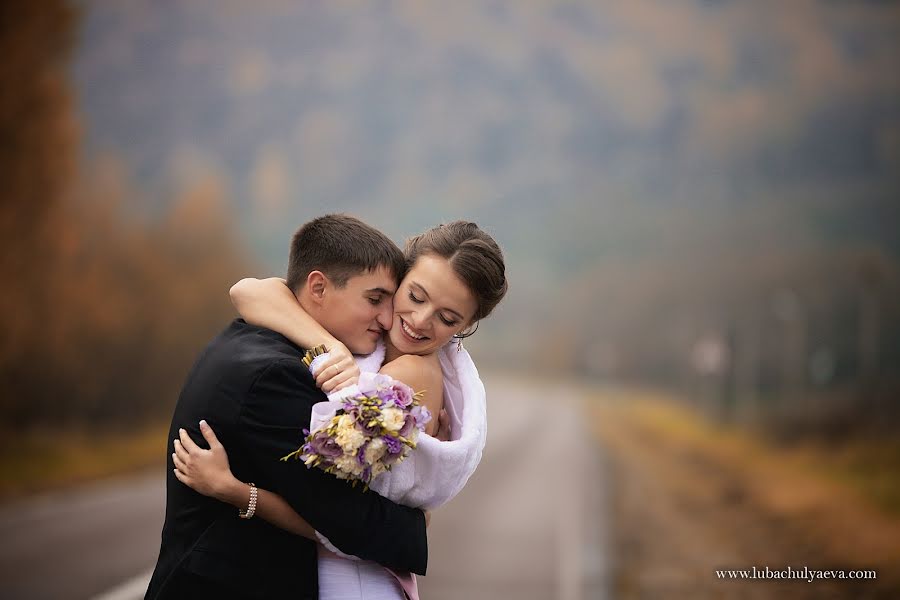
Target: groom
(251, 387)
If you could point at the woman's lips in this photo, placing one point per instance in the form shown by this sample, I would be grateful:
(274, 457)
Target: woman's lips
(410, 333)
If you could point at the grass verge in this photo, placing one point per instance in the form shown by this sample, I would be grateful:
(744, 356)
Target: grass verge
(42, 460)
(717, 495)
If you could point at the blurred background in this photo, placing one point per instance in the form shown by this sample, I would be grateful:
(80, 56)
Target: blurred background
(698, 204)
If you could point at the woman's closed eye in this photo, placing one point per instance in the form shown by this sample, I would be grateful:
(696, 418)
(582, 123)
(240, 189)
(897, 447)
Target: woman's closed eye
(444, 320)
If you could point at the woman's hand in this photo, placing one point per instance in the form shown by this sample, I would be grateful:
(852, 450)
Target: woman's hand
(206, 471)
(339, 371)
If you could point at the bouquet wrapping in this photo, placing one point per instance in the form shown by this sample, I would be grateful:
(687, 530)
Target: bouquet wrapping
(366, 432)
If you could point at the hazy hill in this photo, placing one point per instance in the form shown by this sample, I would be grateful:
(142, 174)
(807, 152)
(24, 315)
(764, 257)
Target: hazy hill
(666, 157)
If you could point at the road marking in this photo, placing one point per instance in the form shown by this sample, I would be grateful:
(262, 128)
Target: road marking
(582, 517)
(570, 500)
(133, 589)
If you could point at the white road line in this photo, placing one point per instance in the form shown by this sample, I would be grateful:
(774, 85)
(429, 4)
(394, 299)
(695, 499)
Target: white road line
(570, 518)
(133, 589)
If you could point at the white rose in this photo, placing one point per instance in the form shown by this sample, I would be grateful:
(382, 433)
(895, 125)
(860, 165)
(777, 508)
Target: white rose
(345, 421)
(393, 419)
(378, 469)
(350, 438)
(349, 464)
(375, 450)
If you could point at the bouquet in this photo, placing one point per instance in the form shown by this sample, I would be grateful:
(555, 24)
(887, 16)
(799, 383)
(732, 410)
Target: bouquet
(366, 432)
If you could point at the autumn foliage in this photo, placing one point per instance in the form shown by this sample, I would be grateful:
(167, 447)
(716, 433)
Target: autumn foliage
(103, 310)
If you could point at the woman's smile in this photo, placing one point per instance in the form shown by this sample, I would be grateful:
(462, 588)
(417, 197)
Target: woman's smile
(411, 333)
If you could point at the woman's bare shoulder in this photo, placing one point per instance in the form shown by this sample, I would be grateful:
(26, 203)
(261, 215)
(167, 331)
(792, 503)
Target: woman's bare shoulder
(418, 372)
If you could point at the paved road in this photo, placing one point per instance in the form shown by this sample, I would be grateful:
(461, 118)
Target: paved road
(77, 544)
(530, 524)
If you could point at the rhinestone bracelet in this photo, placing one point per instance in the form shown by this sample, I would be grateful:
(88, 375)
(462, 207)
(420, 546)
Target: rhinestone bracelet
(251, 507)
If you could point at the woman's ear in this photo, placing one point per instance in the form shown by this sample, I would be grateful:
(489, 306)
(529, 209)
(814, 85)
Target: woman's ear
(317, 283)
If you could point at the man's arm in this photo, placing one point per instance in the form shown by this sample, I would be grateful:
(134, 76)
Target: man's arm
(360, 523)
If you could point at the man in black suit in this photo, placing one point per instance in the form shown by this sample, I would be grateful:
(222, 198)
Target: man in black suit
(251, 387)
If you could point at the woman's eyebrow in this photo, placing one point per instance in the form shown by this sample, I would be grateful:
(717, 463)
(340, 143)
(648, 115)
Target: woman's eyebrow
(424, 291)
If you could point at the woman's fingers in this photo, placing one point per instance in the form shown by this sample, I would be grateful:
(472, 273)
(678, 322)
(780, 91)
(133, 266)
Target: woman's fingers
(179, 464)
(328, 368)
(335, 377)
(182, 454)
(184, 478)
(443, 429)
(187, 442)
(333, 369)
(209, 435)
(339, 360)
(180, 476)
(342, 379)
(347, 382)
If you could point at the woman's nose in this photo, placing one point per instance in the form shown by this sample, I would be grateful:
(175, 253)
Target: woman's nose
(418, 318)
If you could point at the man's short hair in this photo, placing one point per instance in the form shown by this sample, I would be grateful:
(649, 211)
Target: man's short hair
(341, 247)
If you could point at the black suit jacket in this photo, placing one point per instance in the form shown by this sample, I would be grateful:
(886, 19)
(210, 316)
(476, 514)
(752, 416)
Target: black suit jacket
(251, 387)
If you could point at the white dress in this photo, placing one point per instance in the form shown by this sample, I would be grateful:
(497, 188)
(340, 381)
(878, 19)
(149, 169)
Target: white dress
(347, 579)
(429, 477)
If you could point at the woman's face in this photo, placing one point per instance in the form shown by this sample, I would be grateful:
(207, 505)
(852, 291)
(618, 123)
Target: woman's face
(430, 306)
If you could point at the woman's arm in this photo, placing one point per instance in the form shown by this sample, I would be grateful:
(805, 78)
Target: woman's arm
(207, 472)
(271, 304)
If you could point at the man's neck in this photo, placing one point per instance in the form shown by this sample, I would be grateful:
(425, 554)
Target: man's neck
(308, 307)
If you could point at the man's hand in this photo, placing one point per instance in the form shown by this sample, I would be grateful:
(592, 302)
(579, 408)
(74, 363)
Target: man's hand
(338, 371)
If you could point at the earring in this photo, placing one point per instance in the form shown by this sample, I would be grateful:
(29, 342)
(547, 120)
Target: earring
(459, 337)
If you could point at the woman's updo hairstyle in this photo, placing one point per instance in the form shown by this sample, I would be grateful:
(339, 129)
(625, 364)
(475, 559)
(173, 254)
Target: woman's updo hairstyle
(473, 255)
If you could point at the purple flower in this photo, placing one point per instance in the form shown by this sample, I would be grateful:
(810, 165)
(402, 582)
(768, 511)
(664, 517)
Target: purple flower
(408, 426)
(323, 445)
(388, 396)
(394, 446)
(422, 416)
(370, 383)
(404, 394)
(362, 423)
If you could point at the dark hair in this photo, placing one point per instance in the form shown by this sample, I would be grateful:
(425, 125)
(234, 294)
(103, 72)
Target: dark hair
(474, 256)
(341, 247)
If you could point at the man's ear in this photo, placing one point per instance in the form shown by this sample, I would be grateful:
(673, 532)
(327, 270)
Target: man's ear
(317, 283)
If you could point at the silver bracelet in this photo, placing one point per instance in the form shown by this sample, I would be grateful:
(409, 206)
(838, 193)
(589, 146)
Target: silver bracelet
(251, 507)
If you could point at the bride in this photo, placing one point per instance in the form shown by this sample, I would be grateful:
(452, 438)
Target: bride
(455, 277)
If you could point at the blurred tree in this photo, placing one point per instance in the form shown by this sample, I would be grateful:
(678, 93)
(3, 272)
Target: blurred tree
(104, 312)
(38, 134)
